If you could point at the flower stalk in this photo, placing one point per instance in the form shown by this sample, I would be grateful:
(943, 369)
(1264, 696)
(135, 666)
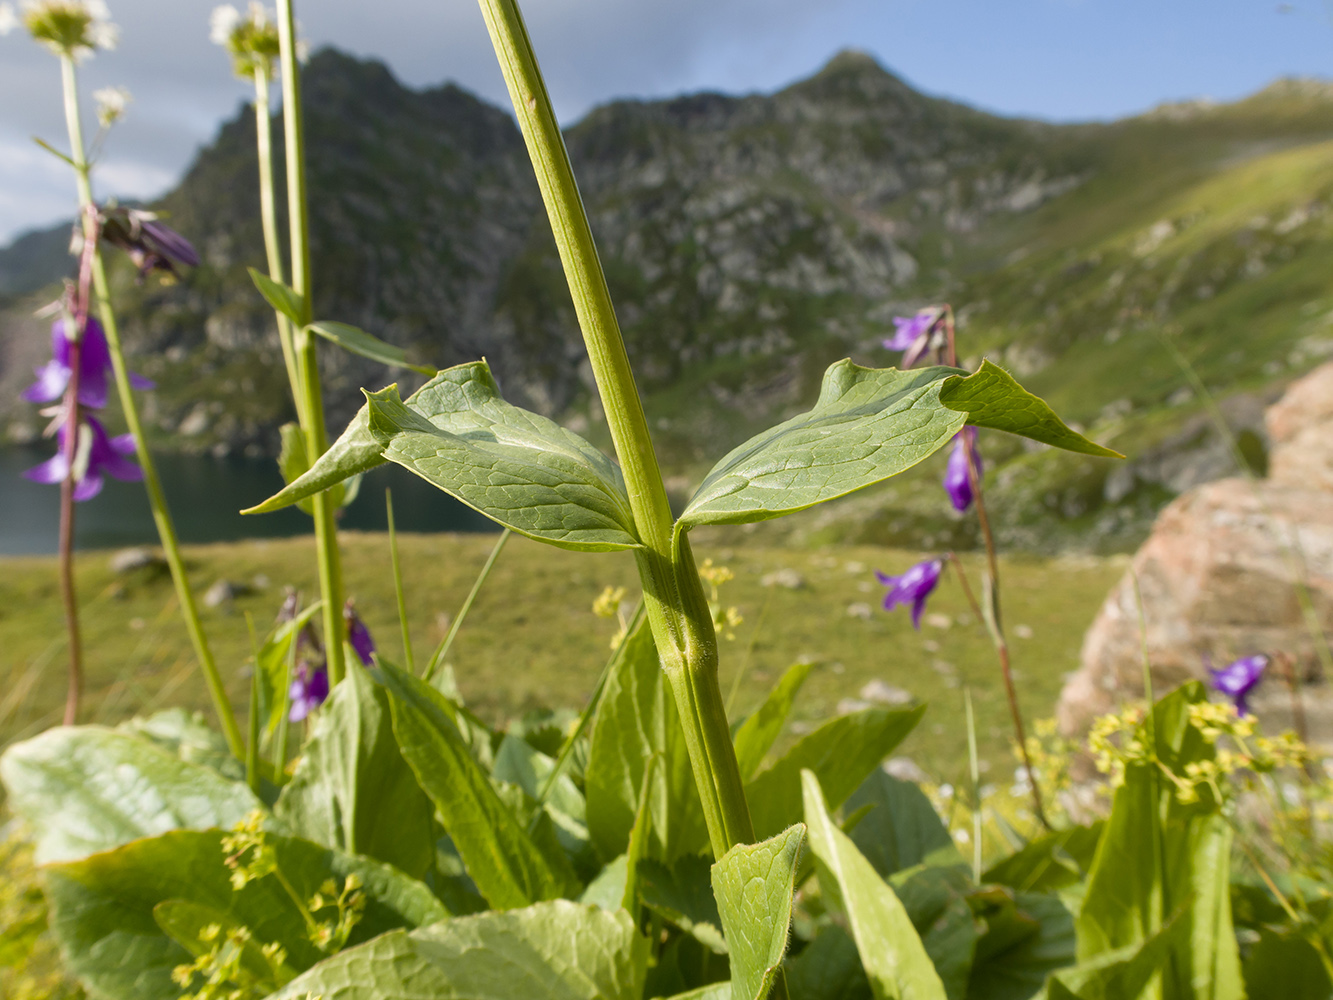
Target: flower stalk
(677, 607)
(157, 501)
(311, 403)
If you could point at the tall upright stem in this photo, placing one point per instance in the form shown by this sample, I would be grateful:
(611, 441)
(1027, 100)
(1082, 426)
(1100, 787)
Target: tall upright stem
(673, 594)
(166, 530)
(268, 215)
(307, 363)
(73, 420)
(992, 617)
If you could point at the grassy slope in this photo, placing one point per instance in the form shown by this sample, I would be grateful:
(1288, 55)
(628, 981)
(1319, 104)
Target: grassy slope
(532, 639)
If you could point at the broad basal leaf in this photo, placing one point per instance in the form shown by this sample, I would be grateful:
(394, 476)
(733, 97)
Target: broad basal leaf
(1013, 961)
(507, 865)
(1049, 862)
(868, 424)
(85, 789)
(354, 340)
(753, 884)
(841, 753)
(757, 733)
(891, 952)
(352, 789)
(682, 893)
(103, 906)
(551, 951)
(901, 829)
(991, 398)
(829, 968)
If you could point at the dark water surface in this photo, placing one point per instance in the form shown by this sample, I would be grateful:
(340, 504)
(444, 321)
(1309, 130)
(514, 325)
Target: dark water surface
(204, 495)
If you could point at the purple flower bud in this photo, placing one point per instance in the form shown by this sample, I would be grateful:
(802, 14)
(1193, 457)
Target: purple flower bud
(956, 481)
(358, 635)
(151, 245)
(912, 587)
(94, 455)
(94, 363)
(310, 688)
(1236, 680)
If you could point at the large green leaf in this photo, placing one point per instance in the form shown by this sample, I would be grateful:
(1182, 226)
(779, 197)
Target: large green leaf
(937, 902)
(518, 468)
(682, 893)
(353, 790)
(991, 398)
(892, 954)
(901, 829)
(1125, 973)
(753, 884)
(828, 969)
(103, 906)
(354, 340)
(551, 951)
(636, 719)
(1012, 962)
(758, 732)
(509, 868)
(868, 424)
(841, 753)
(1285, 967)
(1161, 859)
(186, 735)
(86, 789)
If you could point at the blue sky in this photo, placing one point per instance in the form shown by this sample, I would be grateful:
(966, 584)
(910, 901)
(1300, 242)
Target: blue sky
(1063, 60)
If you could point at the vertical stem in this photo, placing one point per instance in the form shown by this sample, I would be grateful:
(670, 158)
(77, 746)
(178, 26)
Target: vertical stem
(298, 220)
(269, 218)
(166, 530)
(974, 771)
(409, 664)
(441, 651)
(73, 427)
(677, 608)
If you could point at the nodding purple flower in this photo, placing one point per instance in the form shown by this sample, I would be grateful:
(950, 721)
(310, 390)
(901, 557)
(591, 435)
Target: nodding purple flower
(358, 635)
(151, 245)
(957, 483)
(309, 690)
(1236, 680)
(95, 454)
(913, 587)
(94, 363)
(913, 334)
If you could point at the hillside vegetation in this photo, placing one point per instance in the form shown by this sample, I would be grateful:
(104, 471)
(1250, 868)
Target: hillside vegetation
(750, 241)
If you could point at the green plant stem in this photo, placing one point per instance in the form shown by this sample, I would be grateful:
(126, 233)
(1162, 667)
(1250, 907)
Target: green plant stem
(252, 717)
(974, 772)
(68, 595)
(166, 529)
(409, 664)
(677, 608)
(316, 435)
(269, 218)
(442, 650)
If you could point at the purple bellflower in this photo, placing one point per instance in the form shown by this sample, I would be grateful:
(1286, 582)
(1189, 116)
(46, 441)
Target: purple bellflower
(96, 454)
(956, 481)
(1236, 680)
(358, 635)
(151, 245)
(913, 587)
(94, 363)
(913, 334)
(309, 690)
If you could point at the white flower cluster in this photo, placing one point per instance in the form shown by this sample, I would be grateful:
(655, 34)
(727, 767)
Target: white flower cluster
(68, 27)
(111, 104)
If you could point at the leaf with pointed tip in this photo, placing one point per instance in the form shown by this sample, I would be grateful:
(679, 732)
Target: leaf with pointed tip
(518, 468)
(892, 954)
(842, 752)
(354, 340)
(683, 895)
(85, 789)
(757, 733)
(281, 297)
(355, 452)
(991, 398)
(902, 829)
(868, 424)
(507, 865)
(753, 884)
